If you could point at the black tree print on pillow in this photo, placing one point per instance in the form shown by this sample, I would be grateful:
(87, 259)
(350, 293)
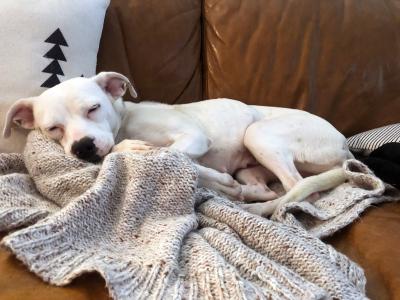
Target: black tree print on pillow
(55, 54)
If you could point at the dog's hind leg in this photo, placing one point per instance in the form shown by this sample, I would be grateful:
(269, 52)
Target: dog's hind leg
(254, 184)
(271, 151)
(297, 142)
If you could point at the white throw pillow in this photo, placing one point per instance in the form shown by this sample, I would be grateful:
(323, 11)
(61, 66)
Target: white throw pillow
(44, 42)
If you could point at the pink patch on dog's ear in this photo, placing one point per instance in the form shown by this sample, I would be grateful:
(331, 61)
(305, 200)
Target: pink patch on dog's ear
(114, 84)
(20, 113)
(116, 87)
(24, 117)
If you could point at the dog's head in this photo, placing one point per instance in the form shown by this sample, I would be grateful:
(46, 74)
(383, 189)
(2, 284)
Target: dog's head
(82, 114)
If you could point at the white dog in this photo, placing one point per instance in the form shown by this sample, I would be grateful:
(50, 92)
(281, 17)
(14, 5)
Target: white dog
(226, 137)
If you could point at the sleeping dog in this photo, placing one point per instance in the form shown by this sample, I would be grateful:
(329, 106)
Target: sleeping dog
(226, 138)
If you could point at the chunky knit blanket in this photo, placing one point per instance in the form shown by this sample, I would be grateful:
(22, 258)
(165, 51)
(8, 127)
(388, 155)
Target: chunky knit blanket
(142, 223)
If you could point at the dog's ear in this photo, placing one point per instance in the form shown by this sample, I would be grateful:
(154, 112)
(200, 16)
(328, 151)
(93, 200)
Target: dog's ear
(114, 84)
(20, 113)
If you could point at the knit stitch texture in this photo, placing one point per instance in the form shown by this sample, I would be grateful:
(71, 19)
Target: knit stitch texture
(142, 223)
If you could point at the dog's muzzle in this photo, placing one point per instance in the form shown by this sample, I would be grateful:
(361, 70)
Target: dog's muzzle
(85, 149)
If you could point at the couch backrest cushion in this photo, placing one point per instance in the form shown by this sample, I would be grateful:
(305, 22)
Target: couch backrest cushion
(157, 44)
(338, 59)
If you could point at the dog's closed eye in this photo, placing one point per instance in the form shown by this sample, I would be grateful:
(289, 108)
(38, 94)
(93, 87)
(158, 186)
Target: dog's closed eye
(93, 108)
(52, 129)
(55, 132)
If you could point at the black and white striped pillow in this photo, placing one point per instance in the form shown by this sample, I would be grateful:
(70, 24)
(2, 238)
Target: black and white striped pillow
(366, 142)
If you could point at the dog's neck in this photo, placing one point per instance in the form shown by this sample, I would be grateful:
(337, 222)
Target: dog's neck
(126, 110)
(120, 108)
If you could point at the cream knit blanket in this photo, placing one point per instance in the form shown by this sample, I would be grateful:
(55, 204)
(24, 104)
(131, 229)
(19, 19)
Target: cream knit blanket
(141, 222)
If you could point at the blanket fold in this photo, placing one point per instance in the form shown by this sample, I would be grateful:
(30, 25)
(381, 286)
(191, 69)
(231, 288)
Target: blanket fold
(142, 223)
(340, 206)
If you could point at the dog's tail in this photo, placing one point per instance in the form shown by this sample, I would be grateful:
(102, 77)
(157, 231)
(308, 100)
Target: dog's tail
(303, 189)
(316, 183)
(300, 191)
(313, 184)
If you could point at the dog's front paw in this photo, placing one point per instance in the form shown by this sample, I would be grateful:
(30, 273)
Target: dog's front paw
(231, 189)
(133, 146)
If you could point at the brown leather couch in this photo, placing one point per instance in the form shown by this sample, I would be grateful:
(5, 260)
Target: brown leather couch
(336, 58)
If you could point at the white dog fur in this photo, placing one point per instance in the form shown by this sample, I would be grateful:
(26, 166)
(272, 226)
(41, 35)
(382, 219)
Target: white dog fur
(226, 138)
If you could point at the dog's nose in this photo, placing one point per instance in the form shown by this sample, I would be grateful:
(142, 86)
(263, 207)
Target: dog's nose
(85, 149)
